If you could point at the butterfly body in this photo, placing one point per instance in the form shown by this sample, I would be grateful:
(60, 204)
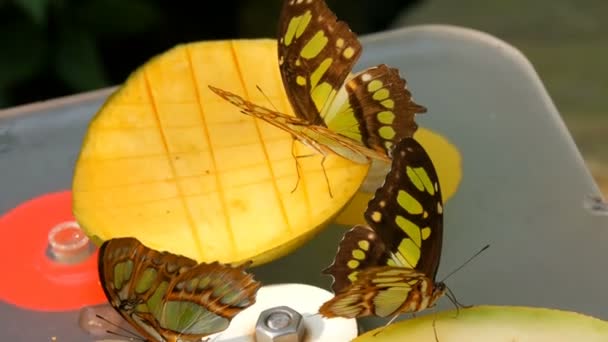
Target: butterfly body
(171, 298)
(316, 54)
(389, 267)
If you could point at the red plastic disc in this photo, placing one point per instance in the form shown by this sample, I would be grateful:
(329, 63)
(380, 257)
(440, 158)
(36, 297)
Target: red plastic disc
(32, 279)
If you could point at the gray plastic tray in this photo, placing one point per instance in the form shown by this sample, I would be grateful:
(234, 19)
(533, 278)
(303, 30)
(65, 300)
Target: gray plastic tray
(523, 188)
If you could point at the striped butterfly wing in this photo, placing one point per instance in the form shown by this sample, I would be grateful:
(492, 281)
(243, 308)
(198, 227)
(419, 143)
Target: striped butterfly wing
(380, 110)
(204, 299)
(359, 249)
(140, 283)
(382, 291)
(406, 217)
(360, 120)
(407, 211)
(320, 138)
(316, 53)
(135, 278)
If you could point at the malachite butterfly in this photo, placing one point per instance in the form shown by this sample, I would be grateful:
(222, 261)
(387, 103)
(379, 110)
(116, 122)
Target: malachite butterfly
(389, 267)
(359, 120)
(171, 298)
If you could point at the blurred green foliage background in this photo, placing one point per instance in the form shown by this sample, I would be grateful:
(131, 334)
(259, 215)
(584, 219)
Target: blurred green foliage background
(567, 43)
(51, 48)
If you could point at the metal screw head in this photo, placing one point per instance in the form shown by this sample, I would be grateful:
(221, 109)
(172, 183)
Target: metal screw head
(279, 324)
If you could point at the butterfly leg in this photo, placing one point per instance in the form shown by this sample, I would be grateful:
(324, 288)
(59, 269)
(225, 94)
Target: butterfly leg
(387, 324)
(326, 177)
(295, 158)
(455, 301)
(435, 328)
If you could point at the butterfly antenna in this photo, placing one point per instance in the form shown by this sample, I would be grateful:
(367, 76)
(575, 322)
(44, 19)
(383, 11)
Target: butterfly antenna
(117, 326)
(130, 338)
(312, 315)
(465, 263)
(266, 97)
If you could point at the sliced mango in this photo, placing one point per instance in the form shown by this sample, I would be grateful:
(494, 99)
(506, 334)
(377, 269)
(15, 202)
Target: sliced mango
(167, 161)
(494, 324)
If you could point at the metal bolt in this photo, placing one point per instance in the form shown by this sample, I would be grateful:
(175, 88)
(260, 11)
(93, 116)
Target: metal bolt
(279, 324)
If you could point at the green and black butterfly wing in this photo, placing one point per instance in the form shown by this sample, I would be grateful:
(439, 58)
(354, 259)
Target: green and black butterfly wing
(359, 249)
(406, 217)
(407, 211)
(381, 291)
(382, 106)
(316, 53)
(320, 138)
(167, 297)
(204, 299)
(360, 120)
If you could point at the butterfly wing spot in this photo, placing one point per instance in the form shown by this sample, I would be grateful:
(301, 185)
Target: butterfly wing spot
(413, 176)
(316, 75)
(410, 252)
(300, 80)
(386, 117)
(425, 180)
(390, 104)
(425, 232)
(363, 244)
(296, 27)
(381, 94)
(348, 53)
(339, 43)
(315, 45)
(146, 280)
(358, 254)
(321, 94)
(376, 216)
(409, 228)
(439, 208)
(373, 85)
(387, 132)
(122, 273)
(409, 203)
(352, 264)
(366, 77)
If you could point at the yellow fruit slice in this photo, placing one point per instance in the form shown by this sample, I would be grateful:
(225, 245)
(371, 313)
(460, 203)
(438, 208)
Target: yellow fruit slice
(169, 162)
(494, 324)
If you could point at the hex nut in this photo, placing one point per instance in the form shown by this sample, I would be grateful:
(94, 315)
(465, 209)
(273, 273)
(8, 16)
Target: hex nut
(279, 324)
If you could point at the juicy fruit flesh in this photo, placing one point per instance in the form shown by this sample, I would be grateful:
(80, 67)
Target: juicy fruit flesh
(495, 323)
(169, 162)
